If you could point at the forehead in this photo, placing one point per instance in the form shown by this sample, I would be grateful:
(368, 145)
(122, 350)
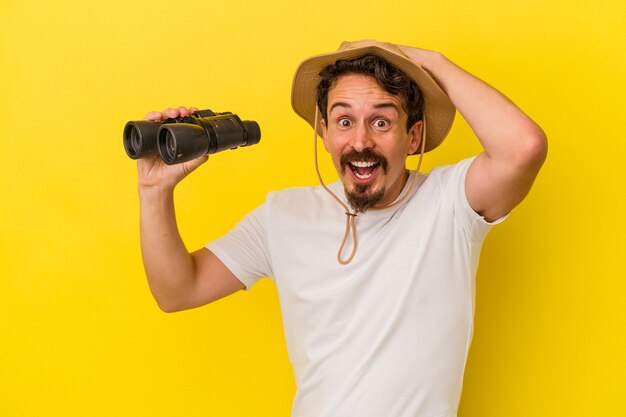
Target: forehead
(361, 89)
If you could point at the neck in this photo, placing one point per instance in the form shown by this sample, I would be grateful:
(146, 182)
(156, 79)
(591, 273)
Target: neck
(394, 191)
(399, 199)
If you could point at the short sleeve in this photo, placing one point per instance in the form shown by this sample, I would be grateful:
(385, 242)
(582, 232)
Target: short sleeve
(466, 219)
(245, 249)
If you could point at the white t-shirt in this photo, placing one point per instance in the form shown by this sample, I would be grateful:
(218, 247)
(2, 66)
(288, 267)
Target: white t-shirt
(388, 334)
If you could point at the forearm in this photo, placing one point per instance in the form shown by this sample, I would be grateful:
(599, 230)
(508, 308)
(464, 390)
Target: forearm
(504, 131)
(169, 266)
(514, 146)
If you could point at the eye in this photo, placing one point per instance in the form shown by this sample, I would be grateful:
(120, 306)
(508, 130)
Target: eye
(344, 122)
(381, 123)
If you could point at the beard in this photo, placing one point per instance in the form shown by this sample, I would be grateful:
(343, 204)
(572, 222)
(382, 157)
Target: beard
(362, 197)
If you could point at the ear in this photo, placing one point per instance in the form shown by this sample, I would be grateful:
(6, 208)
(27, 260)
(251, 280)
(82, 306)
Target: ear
(415, 137)
(324, 133)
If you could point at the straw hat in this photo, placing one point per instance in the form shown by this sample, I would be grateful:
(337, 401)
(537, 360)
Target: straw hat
(438, 109)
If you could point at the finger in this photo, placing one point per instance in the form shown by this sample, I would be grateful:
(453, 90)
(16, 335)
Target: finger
(195, 163)
(155, 116)
(184, 111)
(173, 113)
(193, 109)
(408, 51)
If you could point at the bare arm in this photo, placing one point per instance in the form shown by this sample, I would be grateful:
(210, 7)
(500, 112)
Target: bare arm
(178, 280)
(514, 146)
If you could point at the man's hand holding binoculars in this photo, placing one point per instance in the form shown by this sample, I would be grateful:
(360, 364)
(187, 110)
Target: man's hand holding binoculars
(153, 172)
(171, 144)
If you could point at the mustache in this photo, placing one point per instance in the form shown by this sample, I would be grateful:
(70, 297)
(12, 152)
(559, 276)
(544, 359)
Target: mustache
(366, 155)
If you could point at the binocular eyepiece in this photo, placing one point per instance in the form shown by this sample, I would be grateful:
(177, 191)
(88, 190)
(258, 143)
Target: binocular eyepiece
(185, 138)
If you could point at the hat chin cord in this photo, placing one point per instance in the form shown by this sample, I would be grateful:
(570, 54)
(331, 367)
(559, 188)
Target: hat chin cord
(351, 216)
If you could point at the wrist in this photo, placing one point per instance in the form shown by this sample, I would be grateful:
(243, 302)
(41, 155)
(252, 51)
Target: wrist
(158, 192)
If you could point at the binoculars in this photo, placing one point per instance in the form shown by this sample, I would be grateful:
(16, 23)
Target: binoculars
(185, 138)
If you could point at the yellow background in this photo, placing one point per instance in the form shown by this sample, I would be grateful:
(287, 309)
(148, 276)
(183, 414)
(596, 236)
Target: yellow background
(79, 332)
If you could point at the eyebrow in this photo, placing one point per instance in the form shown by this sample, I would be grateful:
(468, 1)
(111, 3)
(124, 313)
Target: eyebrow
(384, 105)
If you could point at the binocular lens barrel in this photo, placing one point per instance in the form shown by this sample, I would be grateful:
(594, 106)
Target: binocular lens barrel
(181, 142)
(137, 138)
(185, 138)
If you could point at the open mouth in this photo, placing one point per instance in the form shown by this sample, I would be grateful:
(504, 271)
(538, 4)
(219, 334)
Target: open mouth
(363, 170)
(363, 165)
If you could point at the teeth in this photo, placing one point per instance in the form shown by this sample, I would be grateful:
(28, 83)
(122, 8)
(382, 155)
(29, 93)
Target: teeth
(362, 177)
(363, 164)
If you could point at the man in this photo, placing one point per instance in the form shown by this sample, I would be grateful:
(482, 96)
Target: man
(383, 327)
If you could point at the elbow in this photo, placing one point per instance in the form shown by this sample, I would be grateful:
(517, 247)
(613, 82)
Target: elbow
(539, 148)
(168, 304)
(533, 149)
(168, 308)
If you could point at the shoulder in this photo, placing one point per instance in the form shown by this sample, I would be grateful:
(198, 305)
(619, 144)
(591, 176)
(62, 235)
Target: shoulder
(310, 205)
(447, 177)
(450, 181)
(451, 171)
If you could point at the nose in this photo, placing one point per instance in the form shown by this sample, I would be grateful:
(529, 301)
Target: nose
(361, 138)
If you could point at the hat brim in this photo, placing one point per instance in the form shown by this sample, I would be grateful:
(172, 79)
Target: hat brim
(439, 111)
